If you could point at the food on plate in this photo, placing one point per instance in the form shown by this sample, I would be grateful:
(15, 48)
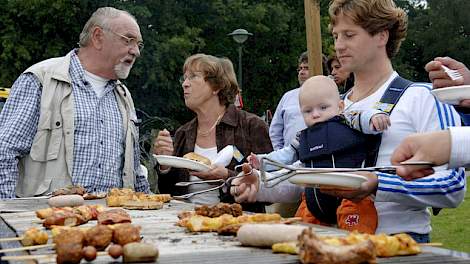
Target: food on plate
(198, 158)
(99, 236)
(219, 209)
(265, 235)
(89, 253)
(113, 216)
(118, 197)
(66, 200)
(140, 252)
(142, 205)
(126, 233)
(69, 246)
(313, 249)
(115, 251)
(198, 223)
(34, 236)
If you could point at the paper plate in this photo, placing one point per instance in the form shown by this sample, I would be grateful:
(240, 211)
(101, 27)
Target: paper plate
(328, 180)
(452, 95)
(178, 162)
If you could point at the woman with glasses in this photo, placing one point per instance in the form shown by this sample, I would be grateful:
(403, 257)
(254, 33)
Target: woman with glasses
(210, 86)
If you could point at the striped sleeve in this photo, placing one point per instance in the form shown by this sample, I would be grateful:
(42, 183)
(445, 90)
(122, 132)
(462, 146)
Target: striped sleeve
(444, 188)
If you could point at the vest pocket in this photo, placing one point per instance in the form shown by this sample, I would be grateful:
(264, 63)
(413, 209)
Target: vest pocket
(46, 143)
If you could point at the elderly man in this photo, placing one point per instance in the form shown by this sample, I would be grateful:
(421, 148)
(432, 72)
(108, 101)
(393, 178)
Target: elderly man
(69, 120)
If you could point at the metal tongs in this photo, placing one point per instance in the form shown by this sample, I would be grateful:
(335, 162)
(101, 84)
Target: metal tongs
(284, 172)
(224, 184)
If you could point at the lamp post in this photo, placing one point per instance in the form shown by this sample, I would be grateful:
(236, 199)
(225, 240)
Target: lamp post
(240, 36)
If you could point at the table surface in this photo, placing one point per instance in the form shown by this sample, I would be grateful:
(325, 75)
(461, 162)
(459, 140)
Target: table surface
(176, 245)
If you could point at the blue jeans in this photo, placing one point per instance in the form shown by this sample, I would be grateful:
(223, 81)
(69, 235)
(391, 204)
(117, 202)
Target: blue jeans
(420, 238)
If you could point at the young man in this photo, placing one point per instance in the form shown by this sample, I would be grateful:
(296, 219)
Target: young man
(69, 120)
(367, 35)
(287, 120)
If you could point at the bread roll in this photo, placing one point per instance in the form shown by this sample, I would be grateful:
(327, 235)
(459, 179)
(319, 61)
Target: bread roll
(198, 158)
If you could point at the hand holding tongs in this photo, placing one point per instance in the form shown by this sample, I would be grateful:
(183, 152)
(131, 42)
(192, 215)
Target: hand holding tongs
(287, 171)
(222, 184)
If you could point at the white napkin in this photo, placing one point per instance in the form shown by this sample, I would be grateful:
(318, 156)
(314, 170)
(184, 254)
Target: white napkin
(224, 156)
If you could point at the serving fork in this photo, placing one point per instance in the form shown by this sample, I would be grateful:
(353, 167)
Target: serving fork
(223, 184)
(285, 172)
(453, 74)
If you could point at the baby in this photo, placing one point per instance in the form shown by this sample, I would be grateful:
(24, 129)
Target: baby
(332, 139)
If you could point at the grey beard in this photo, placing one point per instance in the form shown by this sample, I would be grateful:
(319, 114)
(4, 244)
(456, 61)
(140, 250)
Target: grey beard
(122, 71)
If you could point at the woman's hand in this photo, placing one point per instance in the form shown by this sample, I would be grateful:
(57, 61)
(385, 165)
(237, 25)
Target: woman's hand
(244, 189)
(367, 188)
(214, 173)
(163, 144)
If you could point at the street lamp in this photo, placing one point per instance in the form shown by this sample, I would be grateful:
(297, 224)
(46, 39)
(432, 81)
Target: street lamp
(240, 36)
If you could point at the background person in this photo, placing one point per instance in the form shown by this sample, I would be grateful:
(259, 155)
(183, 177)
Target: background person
(343, 79)
(287, 119)
(210, 86)
(69, 120)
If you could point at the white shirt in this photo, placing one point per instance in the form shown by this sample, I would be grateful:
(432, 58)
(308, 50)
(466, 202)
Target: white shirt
(211, 197)
(402, 205)
(460, 147)
(97, 83)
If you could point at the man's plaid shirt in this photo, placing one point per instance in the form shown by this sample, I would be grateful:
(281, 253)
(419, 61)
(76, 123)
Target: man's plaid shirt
(98, 154)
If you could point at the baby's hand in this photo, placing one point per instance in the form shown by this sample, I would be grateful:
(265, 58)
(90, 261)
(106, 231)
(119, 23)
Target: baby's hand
(254, 161)
(380, 122)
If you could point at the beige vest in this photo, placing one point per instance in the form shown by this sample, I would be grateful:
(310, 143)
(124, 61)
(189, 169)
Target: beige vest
(49, 163)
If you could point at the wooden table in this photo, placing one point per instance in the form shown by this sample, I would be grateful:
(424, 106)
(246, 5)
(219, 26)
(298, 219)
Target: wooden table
(176, 245)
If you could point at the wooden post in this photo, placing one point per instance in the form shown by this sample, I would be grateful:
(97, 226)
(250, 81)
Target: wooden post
(313, 29)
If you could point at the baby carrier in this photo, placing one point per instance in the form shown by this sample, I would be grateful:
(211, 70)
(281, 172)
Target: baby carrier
(333, 144)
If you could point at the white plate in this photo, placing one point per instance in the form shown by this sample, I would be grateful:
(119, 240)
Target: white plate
(330, 179)
(452, 95)
(183, 163)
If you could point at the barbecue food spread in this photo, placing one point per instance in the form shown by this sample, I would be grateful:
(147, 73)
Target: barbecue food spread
(219, 209)
(79, 190)
(119, 197)
(93, 210)
(386, 246)
(197, 157)
(34, 236)
(99, 236)
(69, 216)
(69, 245)
(126, 233)
(198, 223)
(312, 249)
(113, 216)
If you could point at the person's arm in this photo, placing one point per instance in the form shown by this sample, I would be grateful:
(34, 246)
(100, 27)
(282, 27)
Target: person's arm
(444, 188)
(276, 128)
(141, 184)
(460, 148)
(18, 126)
(361, 120)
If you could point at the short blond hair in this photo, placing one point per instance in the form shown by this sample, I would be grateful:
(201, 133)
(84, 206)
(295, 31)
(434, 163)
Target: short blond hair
(374, 16)
(218, 72)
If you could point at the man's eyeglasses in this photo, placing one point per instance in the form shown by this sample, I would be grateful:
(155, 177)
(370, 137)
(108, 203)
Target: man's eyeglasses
(302, 68)
(130, 42)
